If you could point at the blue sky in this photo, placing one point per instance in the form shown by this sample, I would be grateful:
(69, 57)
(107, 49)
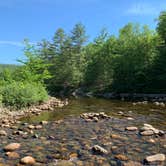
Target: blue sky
(38, 19)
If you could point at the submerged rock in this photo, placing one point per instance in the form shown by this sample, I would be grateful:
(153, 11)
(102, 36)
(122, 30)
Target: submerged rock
(28, 160)
(131, 128)
(148, 130)
(132, 163)
(94, 116)
(121, 157)
(13, 155)
(99, 150)
(12, 147)
(147, 133)
(3, 133)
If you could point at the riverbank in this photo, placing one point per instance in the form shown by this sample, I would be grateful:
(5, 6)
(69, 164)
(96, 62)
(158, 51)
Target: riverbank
(156, 97)
(10, 116)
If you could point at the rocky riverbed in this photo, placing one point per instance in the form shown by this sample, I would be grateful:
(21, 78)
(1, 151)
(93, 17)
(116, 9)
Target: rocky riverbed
(85, 139)
(11, 115)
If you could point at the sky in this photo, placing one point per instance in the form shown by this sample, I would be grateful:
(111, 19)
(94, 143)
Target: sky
(39, 19)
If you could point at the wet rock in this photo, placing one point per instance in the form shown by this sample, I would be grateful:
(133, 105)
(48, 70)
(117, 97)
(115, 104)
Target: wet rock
(28, 160)
(3, 133)
(130, 118)
(120, 113)
(12, 147)
(132, 163)
(95, 119)
(148, 130)
(31, 126)
(65, 163)
(147, 133)
(159, 104)
(94, 116)
(99, 150)
(131, 128)
(12, 155)
(73, 155)
(121, 157)
(44, 122)
(151, 140)
(115, 136)
(154, 158)
(38, 127)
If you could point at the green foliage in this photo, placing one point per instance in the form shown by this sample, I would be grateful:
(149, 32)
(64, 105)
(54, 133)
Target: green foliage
(132, 62)
(22, 94)
(7, 67)
(161, 26)
(34, 68)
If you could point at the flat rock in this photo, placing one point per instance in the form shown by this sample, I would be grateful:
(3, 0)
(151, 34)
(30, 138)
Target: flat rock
(132, 163)
(147, 133)
(121, 157)
(65, 163)
(98, 149)
(131, 128)
(156, 157)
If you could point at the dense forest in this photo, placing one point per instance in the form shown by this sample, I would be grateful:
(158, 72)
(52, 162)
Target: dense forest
(131, 62)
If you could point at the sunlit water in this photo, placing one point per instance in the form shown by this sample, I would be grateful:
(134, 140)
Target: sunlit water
(144, 113)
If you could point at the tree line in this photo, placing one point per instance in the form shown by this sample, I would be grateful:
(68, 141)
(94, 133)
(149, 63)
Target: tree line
(131, 62)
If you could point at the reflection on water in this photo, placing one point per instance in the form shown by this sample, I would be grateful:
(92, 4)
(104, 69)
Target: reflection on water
(144, 113)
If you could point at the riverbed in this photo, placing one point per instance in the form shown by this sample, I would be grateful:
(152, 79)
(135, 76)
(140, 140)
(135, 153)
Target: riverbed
(67, 139)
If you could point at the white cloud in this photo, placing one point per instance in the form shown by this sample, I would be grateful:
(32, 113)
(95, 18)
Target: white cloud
(142, 9)
(12, 43)
(15, 43)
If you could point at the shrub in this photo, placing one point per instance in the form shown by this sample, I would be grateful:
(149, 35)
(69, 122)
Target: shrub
(23, 94)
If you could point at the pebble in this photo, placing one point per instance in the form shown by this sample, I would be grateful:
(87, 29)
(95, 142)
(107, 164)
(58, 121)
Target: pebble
(12, 147)
(147, 133)
(28, 160)
(3, 133)
(131, 128)
(12, 155)
(132, 163)
(98, 149)
(121, 157)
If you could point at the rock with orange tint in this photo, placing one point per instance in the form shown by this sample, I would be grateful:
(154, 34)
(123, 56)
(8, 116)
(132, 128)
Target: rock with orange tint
(12, 147)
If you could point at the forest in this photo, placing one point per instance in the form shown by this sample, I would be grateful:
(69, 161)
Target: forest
(131, 62)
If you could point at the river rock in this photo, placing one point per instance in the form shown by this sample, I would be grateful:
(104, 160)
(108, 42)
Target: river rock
(3, 133)
(154, 158)
(12, 155)
(44, 122)
(147, 133)
(132, 163)
(38, 127)
(28, 160)
(12, 147)
(98, 149)
(65, 163)
(131, 128)
(121, 157)
(148, 130)
(94, 116)
(31, 126)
